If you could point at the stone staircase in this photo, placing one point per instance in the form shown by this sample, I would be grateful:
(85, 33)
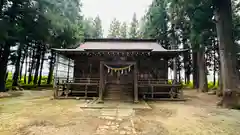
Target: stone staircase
(123, 92)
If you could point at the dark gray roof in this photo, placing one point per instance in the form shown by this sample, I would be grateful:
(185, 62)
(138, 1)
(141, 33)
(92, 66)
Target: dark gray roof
(151, 46)
(119, 44)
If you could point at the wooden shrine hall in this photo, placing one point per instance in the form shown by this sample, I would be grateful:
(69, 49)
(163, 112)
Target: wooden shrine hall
(116, 69)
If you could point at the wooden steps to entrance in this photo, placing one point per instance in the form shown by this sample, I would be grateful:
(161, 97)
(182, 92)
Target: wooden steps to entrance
(122, 92)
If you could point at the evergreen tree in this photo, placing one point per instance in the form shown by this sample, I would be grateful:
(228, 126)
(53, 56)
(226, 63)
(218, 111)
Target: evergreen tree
(36, 27)
(134, 31)
(228, 51)
(123, 30)
(89, 28)
(114, 30)
(156, 23)
(98, 31)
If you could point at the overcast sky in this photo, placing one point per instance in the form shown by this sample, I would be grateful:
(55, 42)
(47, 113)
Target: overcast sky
(123, 10)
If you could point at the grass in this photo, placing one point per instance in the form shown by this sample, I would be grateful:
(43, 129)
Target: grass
(30, 86)
(210, 85)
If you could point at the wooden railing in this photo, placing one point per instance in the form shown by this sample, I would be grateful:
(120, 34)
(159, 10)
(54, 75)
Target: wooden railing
(156, 81)
(159, 88)
(152, 81)
(82, 86)
(63, 80)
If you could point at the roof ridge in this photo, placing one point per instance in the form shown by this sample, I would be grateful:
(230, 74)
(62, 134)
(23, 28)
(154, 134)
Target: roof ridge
(118, 40)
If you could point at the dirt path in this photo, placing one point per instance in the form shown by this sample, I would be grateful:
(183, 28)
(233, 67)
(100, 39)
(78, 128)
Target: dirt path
(36, 114)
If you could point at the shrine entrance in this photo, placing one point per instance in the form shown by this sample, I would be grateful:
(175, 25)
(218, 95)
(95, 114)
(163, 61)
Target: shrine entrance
(119, 80)
(119, 74)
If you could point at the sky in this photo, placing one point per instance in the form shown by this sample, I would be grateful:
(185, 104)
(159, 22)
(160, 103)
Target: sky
(123, 10)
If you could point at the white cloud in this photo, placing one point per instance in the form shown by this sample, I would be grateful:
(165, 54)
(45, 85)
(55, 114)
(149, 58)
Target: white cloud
(123, 10)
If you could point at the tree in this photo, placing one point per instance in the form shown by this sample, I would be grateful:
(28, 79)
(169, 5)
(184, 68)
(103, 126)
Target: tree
(134, 31)
(88, 27)
(198, 14)
(114, 30)
(227, 50)
(98, 31)
(27, 26)
(123, 30)
(155, 23)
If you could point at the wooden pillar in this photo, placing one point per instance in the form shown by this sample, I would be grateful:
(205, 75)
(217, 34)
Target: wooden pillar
(56, 79)
(174, 70)
(56, 72)
(101, 83)
(68, 70)
(135, 83)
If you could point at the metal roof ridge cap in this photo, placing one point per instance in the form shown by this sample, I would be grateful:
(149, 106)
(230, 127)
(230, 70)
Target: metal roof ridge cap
(118, 40)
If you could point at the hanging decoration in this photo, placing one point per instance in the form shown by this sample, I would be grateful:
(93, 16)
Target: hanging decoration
(119, 70)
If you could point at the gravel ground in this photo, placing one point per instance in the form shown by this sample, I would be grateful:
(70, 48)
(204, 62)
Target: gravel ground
(35, 114)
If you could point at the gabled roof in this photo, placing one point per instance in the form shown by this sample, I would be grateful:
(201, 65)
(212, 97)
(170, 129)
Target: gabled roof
(118, 45)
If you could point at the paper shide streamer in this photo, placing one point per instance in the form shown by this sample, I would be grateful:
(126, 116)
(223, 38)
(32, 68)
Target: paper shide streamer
(119, 70)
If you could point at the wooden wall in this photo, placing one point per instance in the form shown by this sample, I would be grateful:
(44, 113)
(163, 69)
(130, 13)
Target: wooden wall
(86, 67)
(147, 68)
(153, 69)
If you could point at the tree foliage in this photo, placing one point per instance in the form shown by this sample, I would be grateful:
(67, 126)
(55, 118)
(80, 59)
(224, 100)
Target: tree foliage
(123, 30)
(33, 27)
(134, 27)
(114, 30)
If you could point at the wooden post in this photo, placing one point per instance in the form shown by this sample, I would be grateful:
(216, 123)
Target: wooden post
(56, 84)
(174, 71)
(152, 92)
(56, 71)
(135, 84)
(67, 90)
(101, 84)
(56, 92)
(68, 70)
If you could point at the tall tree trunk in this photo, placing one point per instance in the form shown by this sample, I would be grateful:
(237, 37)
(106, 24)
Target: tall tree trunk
(17, 65)
(41, 68)
(227, 50)
(174, 70)
(32, 55)
(38, 57)
(31, 65)
(21, 68)
(178, 69)
(3, 66)
(214, 62)
(220, 84)
(203, 85)
(179, 76)
(186, 62)
(195, 71)
(214, 72)
(51, 67)
(26, 68)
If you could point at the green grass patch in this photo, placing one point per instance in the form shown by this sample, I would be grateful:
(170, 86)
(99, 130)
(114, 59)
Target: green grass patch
(30, 86)
(210, 85)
